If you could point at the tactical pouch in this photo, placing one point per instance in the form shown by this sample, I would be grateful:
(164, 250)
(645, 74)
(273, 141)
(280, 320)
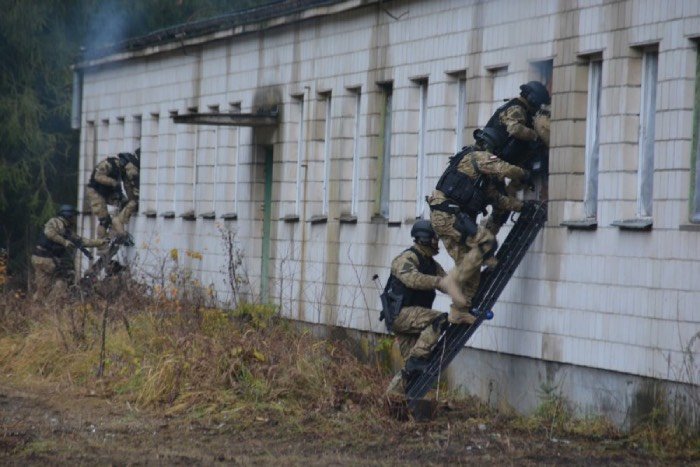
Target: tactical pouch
(391, 307)
(457, 186)
(465, 225)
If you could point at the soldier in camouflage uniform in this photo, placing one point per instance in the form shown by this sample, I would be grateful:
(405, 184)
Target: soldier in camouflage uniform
(105, 189)
(540, 123)
(131, 186)
(52, 259)
(415, 276)
(524, 122)
(469, 184)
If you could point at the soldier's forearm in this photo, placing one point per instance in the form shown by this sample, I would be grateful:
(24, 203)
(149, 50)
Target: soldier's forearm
(520, 131)
(105, 180)
(419, 281)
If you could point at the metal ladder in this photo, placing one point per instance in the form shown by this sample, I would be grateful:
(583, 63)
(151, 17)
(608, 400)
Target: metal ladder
(451, 342)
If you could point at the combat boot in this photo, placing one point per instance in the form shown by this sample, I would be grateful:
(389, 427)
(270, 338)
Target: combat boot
(396, 386)
(460, 316)
(415, 365)
(450, 286)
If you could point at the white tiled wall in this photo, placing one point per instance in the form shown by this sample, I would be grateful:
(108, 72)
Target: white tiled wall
(611, 299)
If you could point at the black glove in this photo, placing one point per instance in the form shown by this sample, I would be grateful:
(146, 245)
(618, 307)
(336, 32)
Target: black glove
(530, 205)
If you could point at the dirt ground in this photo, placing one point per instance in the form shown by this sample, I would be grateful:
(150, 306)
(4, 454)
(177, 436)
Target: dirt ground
(41, 425)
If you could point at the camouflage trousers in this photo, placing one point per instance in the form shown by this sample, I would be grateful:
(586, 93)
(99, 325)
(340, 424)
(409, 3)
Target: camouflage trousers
(98, 206)
(49, 285)
(417, 329)
(468, 255)
(498, 217)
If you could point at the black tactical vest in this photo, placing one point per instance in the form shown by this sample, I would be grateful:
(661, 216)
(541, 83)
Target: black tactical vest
(114, 172)
(515, 151)
(460, 188)
(47, 248)
(414, 297)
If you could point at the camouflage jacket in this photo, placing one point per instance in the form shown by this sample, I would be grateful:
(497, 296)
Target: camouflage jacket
(103, 174)
(131, 181)
(405, 268)
(59, 230)
(514, 118)
(495, 170)
(541, 123)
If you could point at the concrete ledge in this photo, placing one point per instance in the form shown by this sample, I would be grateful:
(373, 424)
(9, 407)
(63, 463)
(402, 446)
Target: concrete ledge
(318, 219)
(347, 219)
(689, 227)
(580, 224)
(188, 216)
(643, 224)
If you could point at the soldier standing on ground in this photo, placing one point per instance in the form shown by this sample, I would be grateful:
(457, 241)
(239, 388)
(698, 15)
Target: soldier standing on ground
(464, 190)
(52, 259)
(415, 276)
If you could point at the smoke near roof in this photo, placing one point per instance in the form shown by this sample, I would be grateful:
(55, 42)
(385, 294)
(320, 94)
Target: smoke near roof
(108, 25)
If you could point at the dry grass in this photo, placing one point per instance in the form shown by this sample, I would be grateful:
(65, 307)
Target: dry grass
(246, 366)
(199, 361)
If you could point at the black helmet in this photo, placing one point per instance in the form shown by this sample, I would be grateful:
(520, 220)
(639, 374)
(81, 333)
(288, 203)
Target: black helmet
(67, 210)
(490, 139)
(422, 232)
(126, 157)
(535, 93)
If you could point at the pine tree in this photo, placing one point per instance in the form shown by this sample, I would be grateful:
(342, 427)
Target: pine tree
(39, 41)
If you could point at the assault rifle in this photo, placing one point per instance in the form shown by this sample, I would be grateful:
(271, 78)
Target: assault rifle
(78, 243)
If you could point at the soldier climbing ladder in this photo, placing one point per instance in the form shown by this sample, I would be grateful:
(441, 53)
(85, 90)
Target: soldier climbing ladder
(451, 342)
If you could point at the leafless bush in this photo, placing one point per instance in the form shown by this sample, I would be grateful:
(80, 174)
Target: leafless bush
(237, 277)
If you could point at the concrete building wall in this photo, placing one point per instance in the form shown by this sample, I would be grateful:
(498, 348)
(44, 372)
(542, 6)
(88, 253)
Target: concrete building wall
(610, 298)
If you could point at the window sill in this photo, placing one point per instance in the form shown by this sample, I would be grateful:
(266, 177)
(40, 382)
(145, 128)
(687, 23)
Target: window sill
(318, 219)
(639, 224)
(347, 219)
(151, 213)
(290, 218)
(229, 216)
(379, 219)
(208, 215)
(168, 215)
(689, 227)
(580, 224)
(188, 216)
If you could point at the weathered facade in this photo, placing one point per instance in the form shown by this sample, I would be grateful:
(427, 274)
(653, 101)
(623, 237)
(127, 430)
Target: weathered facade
(351, 111)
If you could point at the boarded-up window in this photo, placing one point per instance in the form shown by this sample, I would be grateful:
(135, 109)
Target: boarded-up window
(590, 200)
(385, 156)
(356, 155)
(647, 118)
